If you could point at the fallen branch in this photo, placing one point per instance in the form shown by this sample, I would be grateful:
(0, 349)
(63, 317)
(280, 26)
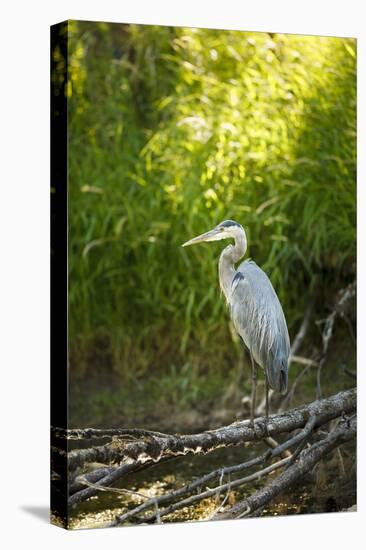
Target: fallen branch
(93, 433)
(152, 447)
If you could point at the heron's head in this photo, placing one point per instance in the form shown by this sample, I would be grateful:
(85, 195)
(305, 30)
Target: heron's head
(225, 230)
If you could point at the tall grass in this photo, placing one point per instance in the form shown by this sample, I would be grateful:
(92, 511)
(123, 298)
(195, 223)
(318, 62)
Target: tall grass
(173, 130)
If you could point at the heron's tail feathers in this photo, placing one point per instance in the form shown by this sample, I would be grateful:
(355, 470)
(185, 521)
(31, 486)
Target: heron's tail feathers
(278, 375)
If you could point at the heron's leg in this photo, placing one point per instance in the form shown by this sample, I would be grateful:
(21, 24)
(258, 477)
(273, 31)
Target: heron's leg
(267, 397)
(254, 388)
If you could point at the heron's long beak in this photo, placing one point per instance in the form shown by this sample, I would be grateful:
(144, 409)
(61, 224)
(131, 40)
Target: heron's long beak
(205, 237)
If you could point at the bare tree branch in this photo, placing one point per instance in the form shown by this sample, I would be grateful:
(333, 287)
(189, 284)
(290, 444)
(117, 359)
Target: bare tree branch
(300, 336)
(93, 433)
(341, 308)
(151, 447)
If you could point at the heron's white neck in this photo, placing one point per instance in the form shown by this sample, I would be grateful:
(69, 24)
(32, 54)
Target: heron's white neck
(228, 258)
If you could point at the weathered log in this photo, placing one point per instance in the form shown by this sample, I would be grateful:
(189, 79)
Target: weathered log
(154, 447)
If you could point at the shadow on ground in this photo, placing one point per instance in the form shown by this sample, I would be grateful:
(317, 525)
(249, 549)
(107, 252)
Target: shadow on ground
(40, 512)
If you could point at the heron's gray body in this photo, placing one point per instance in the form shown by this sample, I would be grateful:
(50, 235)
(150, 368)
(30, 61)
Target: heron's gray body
(259, 319)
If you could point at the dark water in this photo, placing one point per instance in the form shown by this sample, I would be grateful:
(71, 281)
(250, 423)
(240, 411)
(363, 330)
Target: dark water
(329, 488)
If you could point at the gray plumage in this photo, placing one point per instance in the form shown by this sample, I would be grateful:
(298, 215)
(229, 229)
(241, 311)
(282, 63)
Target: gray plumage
(258, 318)
(254, 308)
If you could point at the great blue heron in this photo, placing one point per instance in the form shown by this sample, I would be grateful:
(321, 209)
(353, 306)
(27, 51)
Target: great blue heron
(255, 309)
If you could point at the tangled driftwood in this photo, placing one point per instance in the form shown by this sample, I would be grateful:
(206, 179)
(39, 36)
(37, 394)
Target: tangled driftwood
(131, 450)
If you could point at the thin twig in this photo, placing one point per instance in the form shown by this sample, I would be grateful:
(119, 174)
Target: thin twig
(273, 444)
(350, 328)
(105, 481)
(296, 438)
(157, 511)
(220, 483)
(118, 490)
(341, 463)
(340, 309)
(304, 361)
(300, 336)
(91, 477)
(222, 504)
(350, 372)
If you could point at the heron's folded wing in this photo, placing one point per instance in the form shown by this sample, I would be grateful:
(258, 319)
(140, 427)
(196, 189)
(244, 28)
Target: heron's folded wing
(257, 314)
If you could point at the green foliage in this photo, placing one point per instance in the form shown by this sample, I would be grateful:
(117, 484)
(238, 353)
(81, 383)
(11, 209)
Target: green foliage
(174, 130)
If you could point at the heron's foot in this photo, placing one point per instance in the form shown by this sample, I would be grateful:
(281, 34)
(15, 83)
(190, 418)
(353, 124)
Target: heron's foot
(262, 424)
(266, 422)
(256, 425)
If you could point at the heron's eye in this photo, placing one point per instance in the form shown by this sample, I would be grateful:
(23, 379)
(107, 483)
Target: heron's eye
(221, 229)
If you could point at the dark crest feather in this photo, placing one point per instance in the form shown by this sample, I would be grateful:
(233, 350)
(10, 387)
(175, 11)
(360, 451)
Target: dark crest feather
(229, 223)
